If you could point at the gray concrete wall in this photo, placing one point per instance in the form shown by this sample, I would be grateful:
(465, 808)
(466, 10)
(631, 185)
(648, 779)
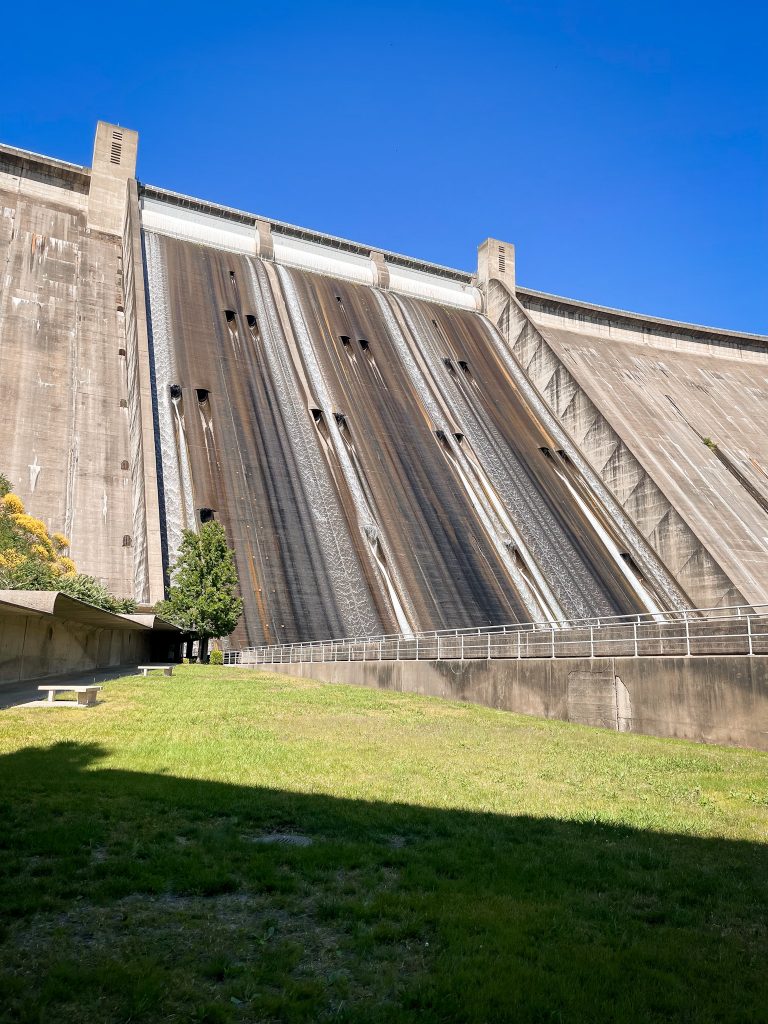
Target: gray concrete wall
(34, 646)
(707, 531)
(707, 699)
(65, 437)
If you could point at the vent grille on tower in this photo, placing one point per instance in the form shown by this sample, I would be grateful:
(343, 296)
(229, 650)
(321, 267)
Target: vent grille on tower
(117, 147)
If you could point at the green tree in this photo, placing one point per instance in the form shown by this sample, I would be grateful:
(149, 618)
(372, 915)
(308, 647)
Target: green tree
(203, 594)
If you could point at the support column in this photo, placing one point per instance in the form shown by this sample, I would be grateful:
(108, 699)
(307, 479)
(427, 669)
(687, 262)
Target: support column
(380, 270)
(114, 164)
(495, 262)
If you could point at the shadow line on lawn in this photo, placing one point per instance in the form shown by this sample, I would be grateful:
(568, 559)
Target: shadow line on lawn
(119, 890)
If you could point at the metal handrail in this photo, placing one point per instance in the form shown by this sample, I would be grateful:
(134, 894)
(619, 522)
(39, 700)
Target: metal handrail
(554, 635)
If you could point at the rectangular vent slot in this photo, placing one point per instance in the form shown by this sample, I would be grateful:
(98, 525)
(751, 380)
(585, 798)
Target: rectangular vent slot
(116, 153)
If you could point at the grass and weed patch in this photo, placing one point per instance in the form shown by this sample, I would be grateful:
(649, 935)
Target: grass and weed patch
(229, 846)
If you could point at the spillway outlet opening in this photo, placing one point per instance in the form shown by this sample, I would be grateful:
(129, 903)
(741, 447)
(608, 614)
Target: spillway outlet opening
(127, 541)
(449, 365)
(230, 315)
(464, 367)
(340, 418)
(206, 514)
(345, 341)
(123, 403)
(546, 452)
(124, 464)
(202, 395)
(121, 351)
(253, 325)
(175, 390)
(322, 426)
(459, 437)
(363, 343)
(120, 309)
(632, 564)
(563, 455)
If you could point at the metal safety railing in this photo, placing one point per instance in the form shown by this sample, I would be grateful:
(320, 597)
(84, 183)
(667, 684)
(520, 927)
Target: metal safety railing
(736, 630)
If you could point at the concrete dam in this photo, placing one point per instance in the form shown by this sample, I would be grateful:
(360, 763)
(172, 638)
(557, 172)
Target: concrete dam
(391, 446)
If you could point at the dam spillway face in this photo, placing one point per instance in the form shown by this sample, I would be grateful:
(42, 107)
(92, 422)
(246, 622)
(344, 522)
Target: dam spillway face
(372, 460)
(391, 446)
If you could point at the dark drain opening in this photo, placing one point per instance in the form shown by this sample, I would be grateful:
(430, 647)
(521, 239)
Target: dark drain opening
(344, 340)
(206, 515)
(175, 390)
(363, 344)
(230, 315)
(202, 395)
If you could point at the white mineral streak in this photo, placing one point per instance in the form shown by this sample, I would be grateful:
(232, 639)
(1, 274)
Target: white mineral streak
(176, 484)
(538, 598)
(366, 518)
(34, 473)
(650, 565)
(348, 583)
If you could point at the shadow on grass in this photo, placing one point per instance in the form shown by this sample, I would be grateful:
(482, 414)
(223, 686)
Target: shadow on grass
(135, 897)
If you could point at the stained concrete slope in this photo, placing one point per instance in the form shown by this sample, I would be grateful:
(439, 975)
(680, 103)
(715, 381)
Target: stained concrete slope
(664, 390)
(372, 461)
(65, 433)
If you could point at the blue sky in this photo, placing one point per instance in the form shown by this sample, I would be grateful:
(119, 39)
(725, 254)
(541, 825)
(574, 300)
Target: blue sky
(622, 148)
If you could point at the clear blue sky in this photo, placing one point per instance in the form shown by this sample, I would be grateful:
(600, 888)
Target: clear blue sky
(622, 147)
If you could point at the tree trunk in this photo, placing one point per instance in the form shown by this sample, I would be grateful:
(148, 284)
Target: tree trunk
(203, 650)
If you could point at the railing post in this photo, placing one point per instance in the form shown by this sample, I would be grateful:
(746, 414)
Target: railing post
(552, 640)
(417, 647)
(634, 630)
(438, 647)
(591, 641)
(518, 645)
(488, 658)
(687, 637)
(749, 633)
(462, 647)
(397, 658)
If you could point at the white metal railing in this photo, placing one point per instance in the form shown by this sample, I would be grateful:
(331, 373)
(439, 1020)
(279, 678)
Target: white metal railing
(738, 630)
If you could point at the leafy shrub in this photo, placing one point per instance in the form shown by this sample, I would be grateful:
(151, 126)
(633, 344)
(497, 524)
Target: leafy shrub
(217, 658)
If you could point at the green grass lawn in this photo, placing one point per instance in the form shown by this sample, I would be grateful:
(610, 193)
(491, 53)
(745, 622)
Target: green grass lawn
(235, 846)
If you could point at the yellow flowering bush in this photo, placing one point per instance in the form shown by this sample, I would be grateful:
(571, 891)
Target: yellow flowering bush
(33, 559)
(12, 504)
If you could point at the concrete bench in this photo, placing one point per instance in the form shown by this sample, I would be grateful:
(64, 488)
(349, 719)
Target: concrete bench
(166, 669)
(86, 695)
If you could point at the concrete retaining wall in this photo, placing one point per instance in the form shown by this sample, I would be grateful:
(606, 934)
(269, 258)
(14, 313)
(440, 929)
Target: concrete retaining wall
(708, 699)
(32, 647)
(45, 634)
